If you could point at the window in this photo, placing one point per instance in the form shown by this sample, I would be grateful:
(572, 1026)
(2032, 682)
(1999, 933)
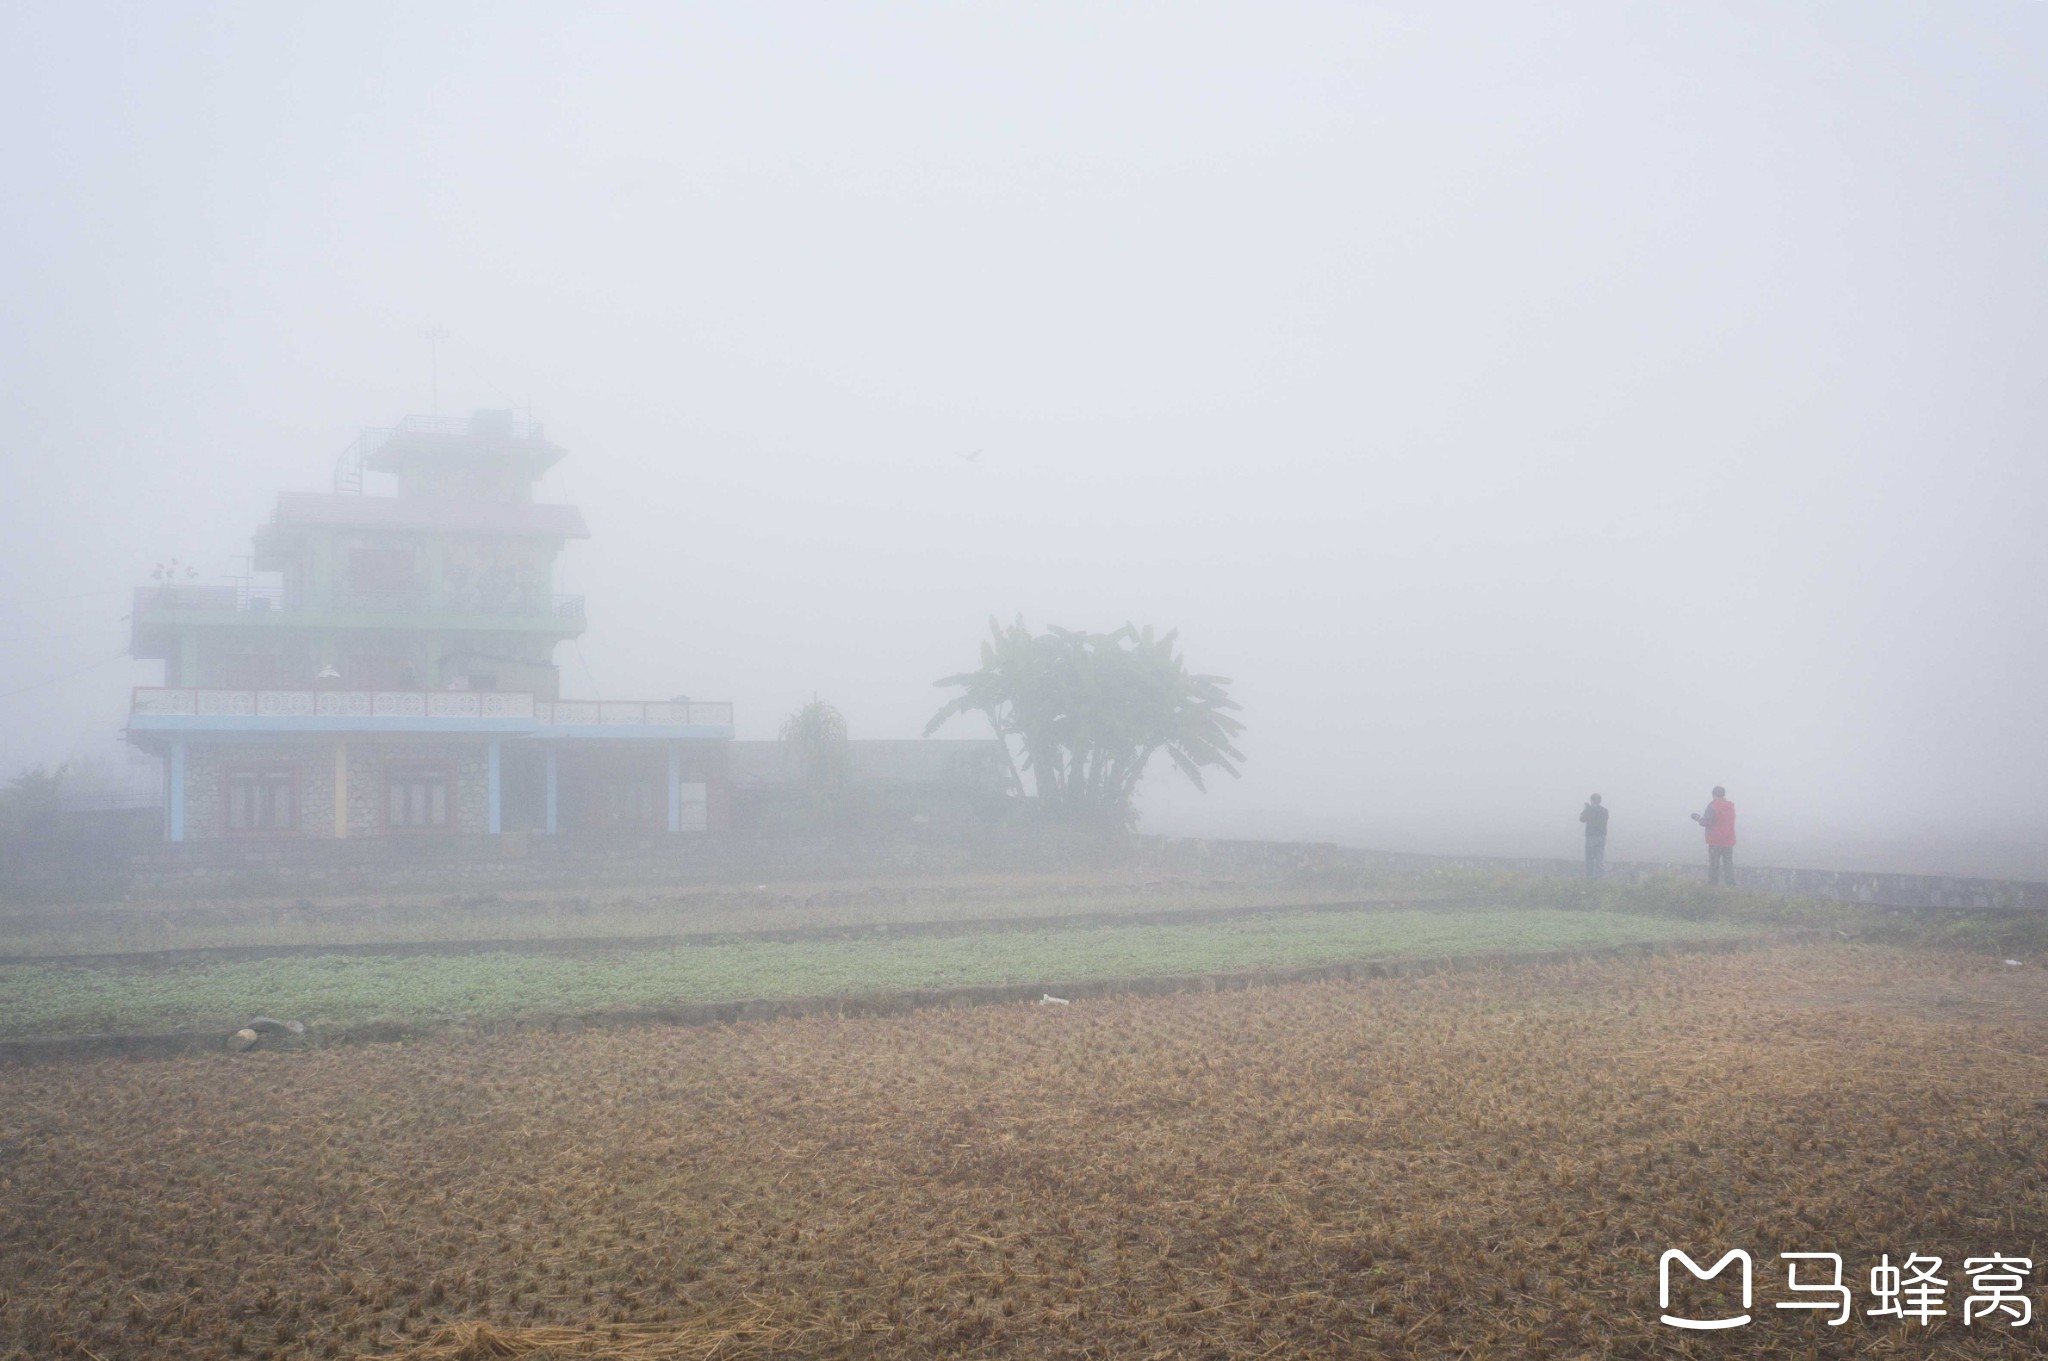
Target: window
(261, 800)
(418, 799)
(380, 570)
(635, 803)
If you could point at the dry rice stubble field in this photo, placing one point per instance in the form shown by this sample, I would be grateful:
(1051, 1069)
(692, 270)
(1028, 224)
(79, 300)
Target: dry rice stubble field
(1478, 1164)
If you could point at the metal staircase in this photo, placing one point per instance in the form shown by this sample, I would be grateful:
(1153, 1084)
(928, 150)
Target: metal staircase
(348, 466)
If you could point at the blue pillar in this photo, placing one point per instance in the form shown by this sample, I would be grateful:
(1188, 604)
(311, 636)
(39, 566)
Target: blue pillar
(497, 761)
(551, 788)
(174, 804)
(675, 787)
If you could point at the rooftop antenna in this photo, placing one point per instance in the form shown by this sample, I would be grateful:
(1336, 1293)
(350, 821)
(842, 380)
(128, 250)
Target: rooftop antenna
(434, 336)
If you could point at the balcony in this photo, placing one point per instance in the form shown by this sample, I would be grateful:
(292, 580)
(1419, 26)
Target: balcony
(182, 598)
(186, 709)
(272, 605)
(574, 713)
(191, 702)
(501, 605)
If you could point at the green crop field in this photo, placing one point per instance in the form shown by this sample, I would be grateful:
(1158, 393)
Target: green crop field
(38, 999)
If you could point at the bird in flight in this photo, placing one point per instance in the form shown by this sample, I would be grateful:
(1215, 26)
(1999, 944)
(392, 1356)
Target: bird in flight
(973, 456)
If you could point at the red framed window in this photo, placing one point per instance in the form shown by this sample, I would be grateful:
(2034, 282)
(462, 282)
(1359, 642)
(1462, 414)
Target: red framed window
(419, 798)
(260, 800)
(635, 803)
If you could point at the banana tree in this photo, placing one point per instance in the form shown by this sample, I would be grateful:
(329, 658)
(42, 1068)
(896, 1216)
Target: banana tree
(817, 734)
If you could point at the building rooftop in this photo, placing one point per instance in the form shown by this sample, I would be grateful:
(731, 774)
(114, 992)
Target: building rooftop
(418, 444)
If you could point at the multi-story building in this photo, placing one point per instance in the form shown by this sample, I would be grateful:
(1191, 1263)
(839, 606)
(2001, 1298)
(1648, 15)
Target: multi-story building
(398, 675)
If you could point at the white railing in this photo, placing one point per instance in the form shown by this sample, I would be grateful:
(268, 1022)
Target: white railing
(487, 424)
(185, 597)
(201, 702)
(676, 713)
(172, 701)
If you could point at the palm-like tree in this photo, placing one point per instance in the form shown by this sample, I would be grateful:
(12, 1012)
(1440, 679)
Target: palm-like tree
(1089, 710)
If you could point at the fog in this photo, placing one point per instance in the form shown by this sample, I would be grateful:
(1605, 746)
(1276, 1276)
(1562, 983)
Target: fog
(1515, 401)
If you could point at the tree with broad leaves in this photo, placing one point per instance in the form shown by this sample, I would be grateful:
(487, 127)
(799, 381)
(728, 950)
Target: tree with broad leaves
(817, 734)
(1089, 710)
(33, 792)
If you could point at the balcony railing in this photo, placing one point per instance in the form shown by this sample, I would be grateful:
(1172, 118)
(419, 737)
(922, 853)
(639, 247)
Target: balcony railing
(188, 702)
(566, 713)
(200, 702)
(186, 598)
(238, 596)
(493, 424)
(261, 599)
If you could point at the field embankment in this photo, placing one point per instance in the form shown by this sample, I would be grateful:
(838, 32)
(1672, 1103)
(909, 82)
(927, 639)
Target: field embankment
(159, 977)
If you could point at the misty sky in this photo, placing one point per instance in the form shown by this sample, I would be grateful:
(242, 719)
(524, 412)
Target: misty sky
(1515, 401)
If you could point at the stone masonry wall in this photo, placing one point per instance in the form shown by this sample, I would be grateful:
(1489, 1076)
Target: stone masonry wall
(202, 792)
(369, 759)
(312, 764)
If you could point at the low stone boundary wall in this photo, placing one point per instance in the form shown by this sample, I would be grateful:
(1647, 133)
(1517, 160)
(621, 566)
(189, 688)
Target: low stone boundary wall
(516, 860)
(1913, 891)
(398, 865)
(523, 861)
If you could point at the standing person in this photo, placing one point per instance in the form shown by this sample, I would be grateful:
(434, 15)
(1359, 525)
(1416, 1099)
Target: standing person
(1594, 815)
(1719, 820)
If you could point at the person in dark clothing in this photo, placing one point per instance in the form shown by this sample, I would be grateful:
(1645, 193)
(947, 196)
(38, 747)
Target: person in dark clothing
(1594, 815)
(1719, 820)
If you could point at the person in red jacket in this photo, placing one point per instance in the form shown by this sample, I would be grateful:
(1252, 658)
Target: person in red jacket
(1719, 820)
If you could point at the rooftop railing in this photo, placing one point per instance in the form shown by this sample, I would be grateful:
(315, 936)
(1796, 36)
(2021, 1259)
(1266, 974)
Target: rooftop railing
(487, 424)
(350, 463)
